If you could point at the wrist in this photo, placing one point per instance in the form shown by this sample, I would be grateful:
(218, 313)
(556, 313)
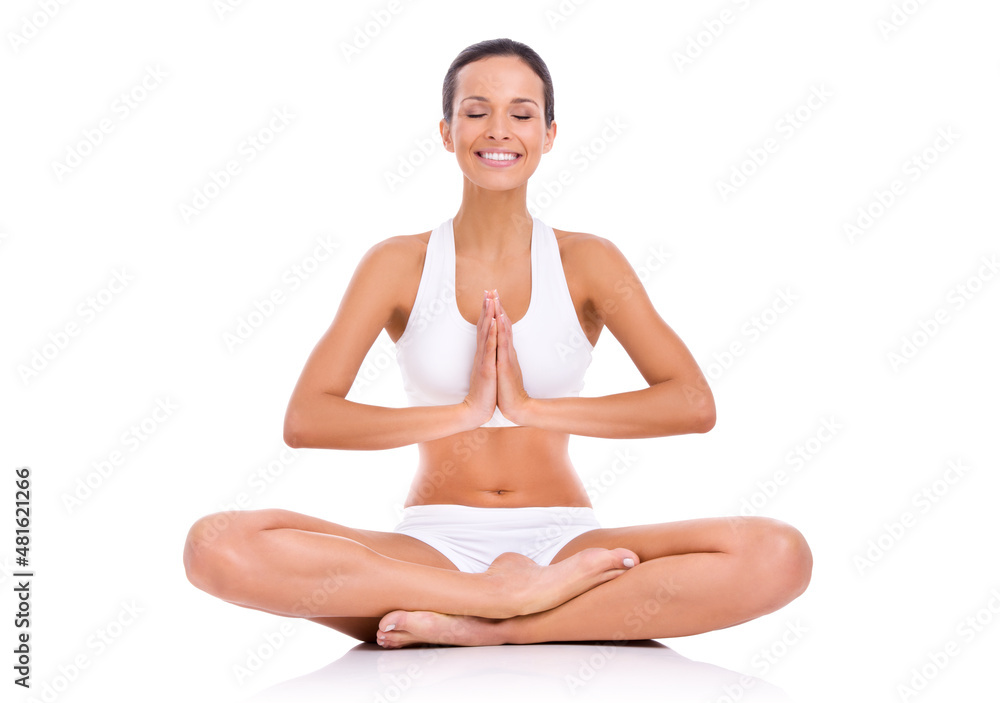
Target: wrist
(471, 417)
(526, 413)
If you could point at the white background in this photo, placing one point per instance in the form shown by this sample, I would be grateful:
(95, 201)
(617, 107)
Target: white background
(890, 88)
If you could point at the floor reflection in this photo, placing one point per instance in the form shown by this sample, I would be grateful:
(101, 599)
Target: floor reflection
(645, 670)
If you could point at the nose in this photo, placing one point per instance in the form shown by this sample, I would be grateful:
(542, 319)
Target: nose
(497, 127)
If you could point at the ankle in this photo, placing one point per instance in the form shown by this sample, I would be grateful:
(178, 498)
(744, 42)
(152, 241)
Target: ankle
(514, 630)
(500, 598)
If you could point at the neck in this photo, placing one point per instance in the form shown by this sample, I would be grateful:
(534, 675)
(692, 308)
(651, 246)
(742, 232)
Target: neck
(493, 224)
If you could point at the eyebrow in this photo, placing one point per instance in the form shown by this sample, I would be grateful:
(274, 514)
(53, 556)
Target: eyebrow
(513, 101)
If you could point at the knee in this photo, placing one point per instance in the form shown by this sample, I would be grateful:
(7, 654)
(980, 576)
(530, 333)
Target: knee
(778, 556)
(212, 550)
(784, 555)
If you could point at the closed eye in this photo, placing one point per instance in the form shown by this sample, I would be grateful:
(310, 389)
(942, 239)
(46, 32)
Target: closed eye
(519, 117)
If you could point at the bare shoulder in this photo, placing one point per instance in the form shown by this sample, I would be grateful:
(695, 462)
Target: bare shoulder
(590, 260)
(394, 260)
(401, 250)
(399, 261)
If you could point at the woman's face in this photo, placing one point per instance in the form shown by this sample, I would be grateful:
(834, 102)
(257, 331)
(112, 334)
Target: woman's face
(499, 109)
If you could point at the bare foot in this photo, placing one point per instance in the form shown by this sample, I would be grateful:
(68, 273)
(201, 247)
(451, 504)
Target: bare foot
(519, 586)
(401, 628)
(528, 588)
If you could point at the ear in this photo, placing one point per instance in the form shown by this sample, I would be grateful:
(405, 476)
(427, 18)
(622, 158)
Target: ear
(446, 136)
(550, 136)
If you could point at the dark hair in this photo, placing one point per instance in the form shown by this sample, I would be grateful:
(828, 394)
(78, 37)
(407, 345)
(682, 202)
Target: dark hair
(498, 47)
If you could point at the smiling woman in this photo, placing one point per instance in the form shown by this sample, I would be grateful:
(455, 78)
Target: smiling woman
(498, 542)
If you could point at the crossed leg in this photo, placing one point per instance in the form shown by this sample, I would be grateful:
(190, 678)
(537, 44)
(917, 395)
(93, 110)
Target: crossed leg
(693, 576)
(286, 563)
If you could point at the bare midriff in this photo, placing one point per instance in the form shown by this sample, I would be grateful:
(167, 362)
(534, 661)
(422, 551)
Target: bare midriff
(490, 467)
(497, 467)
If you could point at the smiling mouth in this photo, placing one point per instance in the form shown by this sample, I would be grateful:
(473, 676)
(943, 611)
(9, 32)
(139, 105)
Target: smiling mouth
(501, 159)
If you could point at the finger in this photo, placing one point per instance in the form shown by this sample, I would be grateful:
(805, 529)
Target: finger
(485, 312)
(501, 314)
(504, 322)
(487, 318)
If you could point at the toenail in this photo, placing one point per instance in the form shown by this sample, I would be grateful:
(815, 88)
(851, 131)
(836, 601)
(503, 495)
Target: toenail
(391, 627)
(629, 562)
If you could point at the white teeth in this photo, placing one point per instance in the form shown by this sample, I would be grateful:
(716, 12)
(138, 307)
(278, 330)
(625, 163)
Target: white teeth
(497, 156)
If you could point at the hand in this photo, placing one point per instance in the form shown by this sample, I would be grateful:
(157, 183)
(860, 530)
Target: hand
(482, 397)
(511, 396)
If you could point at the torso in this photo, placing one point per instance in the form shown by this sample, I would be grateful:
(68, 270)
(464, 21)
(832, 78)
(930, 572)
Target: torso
(496, 466)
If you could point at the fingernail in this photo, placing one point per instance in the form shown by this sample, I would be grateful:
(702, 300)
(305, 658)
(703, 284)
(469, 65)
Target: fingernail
(629, 563)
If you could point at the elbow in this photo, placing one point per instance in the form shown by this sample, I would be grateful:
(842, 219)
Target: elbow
(292, 433)
(704, 419)
(698, 414)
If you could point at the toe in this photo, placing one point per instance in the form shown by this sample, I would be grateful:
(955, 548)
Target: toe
(395, 620)
(625, 558)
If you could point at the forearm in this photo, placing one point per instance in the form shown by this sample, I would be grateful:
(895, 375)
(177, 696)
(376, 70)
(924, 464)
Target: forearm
(668, 408)
(330, 422)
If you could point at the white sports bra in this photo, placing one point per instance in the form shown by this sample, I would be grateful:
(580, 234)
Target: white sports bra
(436, 349)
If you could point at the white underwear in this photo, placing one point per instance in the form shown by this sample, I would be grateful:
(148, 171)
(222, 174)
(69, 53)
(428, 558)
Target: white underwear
(471, 538)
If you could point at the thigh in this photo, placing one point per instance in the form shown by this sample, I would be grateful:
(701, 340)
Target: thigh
(389, 544)
(718, 534)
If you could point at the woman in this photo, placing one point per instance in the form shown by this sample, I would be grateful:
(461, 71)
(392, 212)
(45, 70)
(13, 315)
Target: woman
(498, 542)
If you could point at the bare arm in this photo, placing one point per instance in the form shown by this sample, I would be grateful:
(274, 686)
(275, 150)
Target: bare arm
(318, 413)
(658, 411)
(678, 400)
(332, 422)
